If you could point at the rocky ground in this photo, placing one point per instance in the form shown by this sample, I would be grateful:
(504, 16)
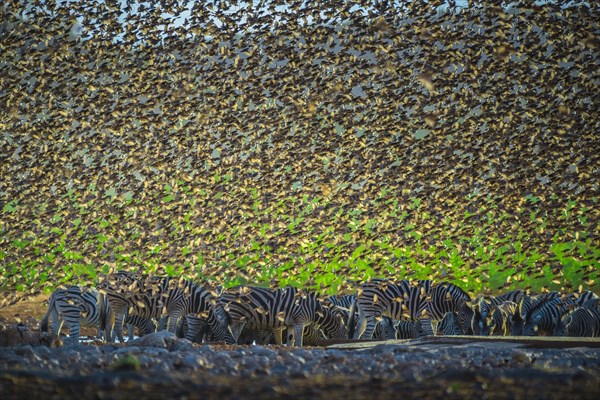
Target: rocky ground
(162, 366)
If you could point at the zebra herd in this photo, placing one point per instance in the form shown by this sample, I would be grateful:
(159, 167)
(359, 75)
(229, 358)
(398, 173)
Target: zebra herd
(381, 309)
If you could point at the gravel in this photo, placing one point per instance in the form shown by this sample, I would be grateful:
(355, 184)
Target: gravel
(163, 366)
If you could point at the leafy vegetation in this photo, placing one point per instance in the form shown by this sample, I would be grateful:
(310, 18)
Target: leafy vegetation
(458, 145)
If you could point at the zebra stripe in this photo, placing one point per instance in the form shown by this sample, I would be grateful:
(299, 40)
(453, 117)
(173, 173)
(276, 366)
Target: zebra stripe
(128, 295)
(278, 310)
(167, 300)
(346, 304)
(200, 308)
(77, 306)
(405, 329)
(145, 326)
(503, 319)
(381, 298)
(449, 325)
(331, 321)
(528, 303)
(329, 324)
(444, 298)
(545, 316)
(420, 300)
(342, 302)
(485, 306)
(467, 318)
(580, 322)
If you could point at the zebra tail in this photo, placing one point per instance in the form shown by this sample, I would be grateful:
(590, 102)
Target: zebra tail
(44, 321)
(179, 330)
(351, 323)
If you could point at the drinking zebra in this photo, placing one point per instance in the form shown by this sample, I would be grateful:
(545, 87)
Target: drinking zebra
(345, 304)
(545, 316)
(166, 300)
(446, 298)
(449, 325)
(504, 318)
(405, 329)
(485, 306)
(77, 306)
(276, 310)
(526, 304)
(419, 300)
(131, 295)
(330, 323)
(583, 321)
(385, 329)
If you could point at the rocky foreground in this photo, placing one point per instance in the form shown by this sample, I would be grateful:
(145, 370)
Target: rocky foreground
(162, 366)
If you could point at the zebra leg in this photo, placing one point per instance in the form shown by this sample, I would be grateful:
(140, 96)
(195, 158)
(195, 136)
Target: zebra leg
(362, 324)
(197, 328)
(57, 322)
(109, 328)
(162, 322)
(427, 327)
(118, 328)
(298, 334)
(368, 327)
(278, 333)
(130, 332)
(74, 332)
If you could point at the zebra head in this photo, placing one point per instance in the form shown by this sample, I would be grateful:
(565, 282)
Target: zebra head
(449, 325)
(331, 321)
(562, 327)
(531, 327)
(466, 316)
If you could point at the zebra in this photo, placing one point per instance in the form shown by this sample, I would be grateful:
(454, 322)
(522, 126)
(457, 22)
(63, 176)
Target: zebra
(449, 325)
(503, 319)
(467, 316)
(331, 321)
(203, 308)
(77, 306)
(583, 320)
(526, 304)
(405, 329)
(484, 308)
(419, 300)
(385, 329)
(346, 304)
(166, 300)
(545, 316)
(380, 298)
(275, 310)
(445, 298)
(146, 326)
(129, 294)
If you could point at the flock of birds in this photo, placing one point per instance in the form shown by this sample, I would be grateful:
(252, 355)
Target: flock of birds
(110, 113)
(381, 309)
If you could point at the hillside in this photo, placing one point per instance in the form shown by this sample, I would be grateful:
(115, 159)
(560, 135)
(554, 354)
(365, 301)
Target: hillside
(461, 145)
